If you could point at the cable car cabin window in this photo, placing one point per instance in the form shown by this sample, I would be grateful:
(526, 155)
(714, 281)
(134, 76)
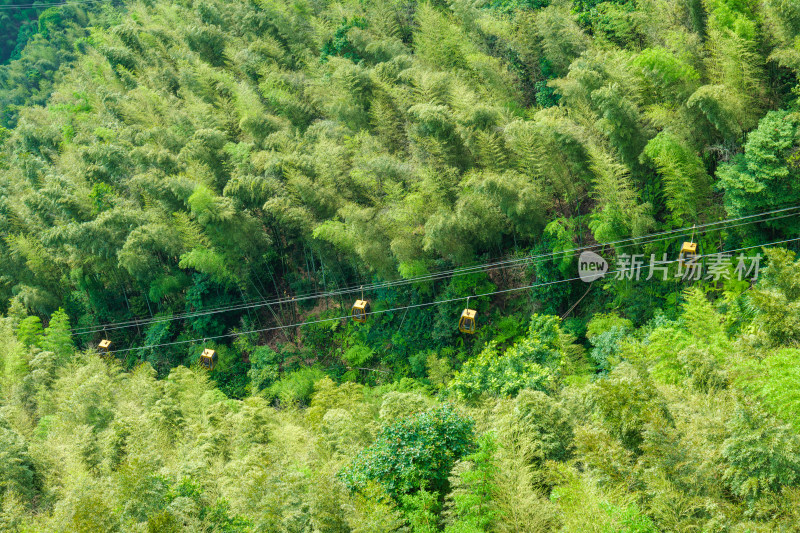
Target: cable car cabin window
(467, 322)
(208, 359)
(360, 311)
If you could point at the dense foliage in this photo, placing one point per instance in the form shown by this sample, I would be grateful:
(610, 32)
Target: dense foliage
(413, 453)
(193, 174)
(686, 426)
(160, 158)
(19, 24)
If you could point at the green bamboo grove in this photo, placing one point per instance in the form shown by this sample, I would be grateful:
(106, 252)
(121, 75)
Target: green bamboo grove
(232, 176)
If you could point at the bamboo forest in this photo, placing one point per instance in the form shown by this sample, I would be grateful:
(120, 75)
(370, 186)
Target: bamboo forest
(311, 266)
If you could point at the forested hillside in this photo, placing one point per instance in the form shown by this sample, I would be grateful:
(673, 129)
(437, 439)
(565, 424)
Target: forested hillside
(232, 175)
(689, 428)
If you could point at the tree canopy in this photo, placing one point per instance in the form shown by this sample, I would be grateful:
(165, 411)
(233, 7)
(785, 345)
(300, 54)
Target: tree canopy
(232, 175)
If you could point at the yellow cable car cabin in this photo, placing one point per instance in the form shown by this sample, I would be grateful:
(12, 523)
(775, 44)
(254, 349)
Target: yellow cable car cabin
(208, 359)
(104, 346)
(360, 311)
(467, 322)
(688, 251)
